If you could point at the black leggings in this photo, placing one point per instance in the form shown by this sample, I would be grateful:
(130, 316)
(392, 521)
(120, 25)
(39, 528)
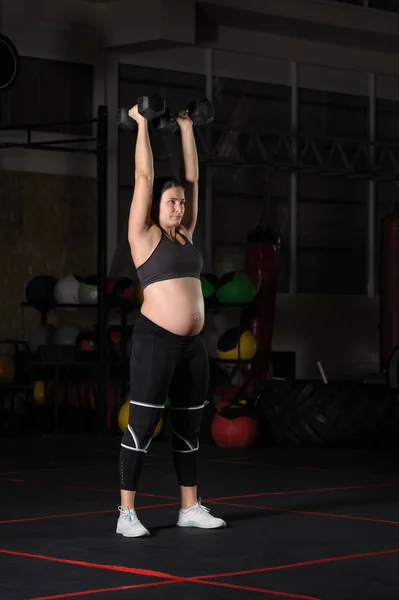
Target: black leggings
(164, 364)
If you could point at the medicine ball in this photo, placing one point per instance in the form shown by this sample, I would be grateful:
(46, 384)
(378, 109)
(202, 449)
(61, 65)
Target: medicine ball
(236, 287)
(40, 335)
(115, 342)
(66, 290)
(138, 293)
(88, 340)
(123, 419)
(39, 292)
(158, 429)
(236, 343)
(224, 395)
(210, 335)
(67, 334)
(121, 294)
(87, 293)
(234, 427)
(209, 284)
(123, 415)
(7, 368)
(39, 392)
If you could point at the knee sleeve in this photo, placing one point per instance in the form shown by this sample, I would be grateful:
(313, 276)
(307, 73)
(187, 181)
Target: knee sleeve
(143, 419)
(186, 423)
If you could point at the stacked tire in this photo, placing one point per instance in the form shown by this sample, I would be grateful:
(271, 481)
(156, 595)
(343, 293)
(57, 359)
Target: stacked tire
(311, 413)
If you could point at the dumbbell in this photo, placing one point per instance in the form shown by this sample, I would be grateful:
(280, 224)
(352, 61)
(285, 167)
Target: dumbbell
(150, 107)
(201, 112)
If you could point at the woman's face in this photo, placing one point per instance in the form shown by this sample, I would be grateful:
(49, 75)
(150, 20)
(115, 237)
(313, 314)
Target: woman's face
(171, 207)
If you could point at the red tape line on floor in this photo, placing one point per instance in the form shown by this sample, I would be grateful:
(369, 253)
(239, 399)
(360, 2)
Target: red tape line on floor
(310, 491)
(306, 512)
(131, 570)
(201, 578)
(305, 563)
(82, 487)
(83, 514)
(102, 591)
(254, 589)
(158, 583)
(251, 463)
(80, 563)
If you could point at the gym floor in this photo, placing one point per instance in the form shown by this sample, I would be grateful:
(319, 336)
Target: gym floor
(302, 523)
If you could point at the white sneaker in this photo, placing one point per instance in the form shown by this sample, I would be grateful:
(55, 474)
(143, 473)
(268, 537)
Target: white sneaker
(199, 516)
(129, 525)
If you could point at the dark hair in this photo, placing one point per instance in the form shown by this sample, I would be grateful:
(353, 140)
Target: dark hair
(161, 184)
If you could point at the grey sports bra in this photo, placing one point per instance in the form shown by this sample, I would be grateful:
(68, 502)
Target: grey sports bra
(170, 260)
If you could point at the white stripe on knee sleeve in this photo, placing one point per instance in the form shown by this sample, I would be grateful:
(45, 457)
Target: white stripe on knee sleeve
(188, 407)
(191, 446)
(146, 405)
(134, 449)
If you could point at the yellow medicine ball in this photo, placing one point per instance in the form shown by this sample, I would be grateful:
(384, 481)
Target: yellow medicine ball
(158, 428)
(7, 368)
(123, 419)
(39, 392)
(123, 416)
(138, 293)
(236, 343)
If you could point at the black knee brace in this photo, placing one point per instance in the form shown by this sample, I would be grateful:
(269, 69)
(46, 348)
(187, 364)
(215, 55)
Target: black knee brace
(143, 419)
(186, 423)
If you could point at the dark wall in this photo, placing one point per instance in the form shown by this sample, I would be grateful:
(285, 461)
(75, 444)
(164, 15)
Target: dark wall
(47, 226)
(178, 89)
(48, 221)
(332, 211)
(49, 91)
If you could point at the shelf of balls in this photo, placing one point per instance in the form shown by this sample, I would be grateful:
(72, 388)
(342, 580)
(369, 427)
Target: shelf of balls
(212, 308)
(209, 305)
(244, 361)
(66, 305)
(216, 307)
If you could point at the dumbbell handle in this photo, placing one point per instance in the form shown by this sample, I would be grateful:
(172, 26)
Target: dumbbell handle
(124, 121)
(200, 112)
(149, 107)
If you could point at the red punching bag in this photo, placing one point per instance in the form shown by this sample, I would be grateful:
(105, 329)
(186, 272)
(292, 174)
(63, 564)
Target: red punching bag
(389, 288)
(261, 263)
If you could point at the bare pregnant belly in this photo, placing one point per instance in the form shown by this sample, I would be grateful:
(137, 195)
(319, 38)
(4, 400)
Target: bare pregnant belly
(176, 305)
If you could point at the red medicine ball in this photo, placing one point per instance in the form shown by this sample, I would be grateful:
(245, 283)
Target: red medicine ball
(225, 395)
(234, 427)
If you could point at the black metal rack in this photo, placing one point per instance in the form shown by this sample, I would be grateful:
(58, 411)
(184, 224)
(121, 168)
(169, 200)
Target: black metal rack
(96, 145)
(282, 151)
(58, 358)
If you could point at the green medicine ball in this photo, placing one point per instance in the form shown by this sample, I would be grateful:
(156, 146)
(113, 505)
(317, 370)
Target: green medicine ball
(87, 293)
(209, 284)
(236, 287)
